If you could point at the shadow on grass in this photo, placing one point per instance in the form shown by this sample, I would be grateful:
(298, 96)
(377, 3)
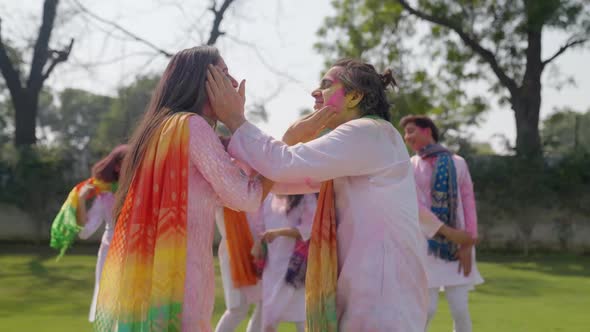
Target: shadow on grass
(40, 287)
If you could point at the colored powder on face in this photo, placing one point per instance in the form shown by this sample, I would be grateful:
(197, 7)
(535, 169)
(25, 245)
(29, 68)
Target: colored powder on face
(337, 100)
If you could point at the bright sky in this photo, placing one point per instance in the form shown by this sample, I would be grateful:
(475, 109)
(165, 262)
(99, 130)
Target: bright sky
(283, 66)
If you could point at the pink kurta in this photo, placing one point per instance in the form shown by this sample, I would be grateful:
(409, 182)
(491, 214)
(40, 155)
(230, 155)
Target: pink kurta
(281, 302)
(440, 272)
(382, 283)
(214, 181)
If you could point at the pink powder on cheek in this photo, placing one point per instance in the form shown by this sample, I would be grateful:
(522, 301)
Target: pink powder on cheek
(337, 100)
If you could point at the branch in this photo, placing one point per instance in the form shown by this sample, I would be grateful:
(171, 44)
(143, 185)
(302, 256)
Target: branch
(487, 55)
(564, 48)
(58, 56)
(122, 29)
(264, 61)
(10, 73)
(215, 32)
(41, 51)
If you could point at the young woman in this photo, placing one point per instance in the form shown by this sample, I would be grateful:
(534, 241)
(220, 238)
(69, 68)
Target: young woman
(158, 275)
(284, 222)
(366, 259)
(106, 170)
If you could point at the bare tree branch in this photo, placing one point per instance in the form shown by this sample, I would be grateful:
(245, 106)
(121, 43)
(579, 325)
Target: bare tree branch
(264, 61)
(215, 32)
(130, 34)
(41, 51)
(573, 42)
(9, 71)
(58, 56)
(486, 54)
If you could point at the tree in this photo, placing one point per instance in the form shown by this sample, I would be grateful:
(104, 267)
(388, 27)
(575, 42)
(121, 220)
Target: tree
(25, 95)
(564, 132)
(117, 125)
(25, 91)
(498, 41)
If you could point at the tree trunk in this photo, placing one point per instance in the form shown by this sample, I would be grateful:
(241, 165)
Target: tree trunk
(25, 116)
(526, 102)
(526, 113)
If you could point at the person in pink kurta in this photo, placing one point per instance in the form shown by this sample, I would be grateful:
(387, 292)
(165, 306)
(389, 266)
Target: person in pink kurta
(214, 180)
(455, 277)
(281, 221)
(382, 283)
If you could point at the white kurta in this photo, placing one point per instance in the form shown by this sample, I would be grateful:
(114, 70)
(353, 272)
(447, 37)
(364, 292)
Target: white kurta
(234, 297)
(443, 273)
(382, 283)
(281, 302)
(100, 212)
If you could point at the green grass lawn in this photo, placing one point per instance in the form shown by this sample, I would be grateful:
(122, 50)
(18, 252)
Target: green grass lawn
(549, 293)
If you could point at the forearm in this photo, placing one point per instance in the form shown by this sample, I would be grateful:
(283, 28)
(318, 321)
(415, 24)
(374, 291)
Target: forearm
(81, 215)
(456, 235)
(291, 232)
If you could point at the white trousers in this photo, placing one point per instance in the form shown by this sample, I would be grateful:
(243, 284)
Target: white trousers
(458, 298)
(233, 317)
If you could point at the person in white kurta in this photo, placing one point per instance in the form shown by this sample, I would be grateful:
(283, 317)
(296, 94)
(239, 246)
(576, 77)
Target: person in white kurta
(382, 280)
(449, 276)
(381, 283)
(282, 302)
(100, 213)
(237, 300)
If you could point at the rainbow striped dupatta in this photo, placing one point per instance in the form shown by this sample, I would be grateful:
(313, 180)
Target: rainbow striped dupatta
(65, 226)
(142, 285)
(322, 266)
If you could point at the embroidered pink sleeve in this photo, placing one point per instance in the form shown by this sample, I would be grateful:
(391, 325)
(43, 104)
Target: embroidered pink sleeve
(234, 188)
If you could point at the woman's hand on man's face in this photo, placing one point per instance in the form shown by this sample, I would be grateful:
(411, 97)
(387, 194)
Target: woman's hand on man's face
(308, 127)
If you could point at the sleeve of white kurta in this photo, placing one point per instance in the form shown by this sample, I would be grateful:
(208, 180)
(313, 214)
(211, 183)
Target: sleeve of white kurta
(94, 218)
(353, 149)
(296, 188)
(309, 204)
(234, 188)
(467, 198)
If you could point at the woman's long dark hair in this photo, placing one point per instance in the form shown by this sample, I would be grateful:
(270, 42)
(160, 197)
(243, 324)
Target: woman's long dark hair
(109, 167)
(180, 89)
(362, 77)
(293, 201)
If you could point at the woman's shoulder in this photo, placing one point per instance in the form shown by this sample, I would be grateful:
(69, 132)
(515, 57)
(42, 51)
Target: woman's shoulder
(199, 126)
(195, 119)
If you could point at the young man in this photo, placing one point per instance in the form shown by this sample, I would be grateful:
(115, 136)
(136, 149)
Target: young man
(444, 188)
